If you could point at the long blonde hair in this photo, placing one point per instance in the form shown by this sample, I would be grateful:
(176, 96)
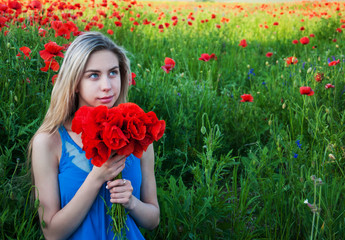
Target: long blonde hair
(64, 100)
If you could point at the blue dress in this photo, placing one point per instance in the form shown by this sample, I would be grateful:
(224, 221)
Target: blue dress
(73, 169)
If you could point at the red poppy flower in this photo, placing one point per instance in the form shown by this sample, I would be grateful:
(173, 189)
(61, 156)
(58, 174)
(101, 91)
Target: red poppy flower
(14, 5)
(3, 21)
(304, 40)
(110, 32)
(50, 64)
(206, 57)
(306, 91)
(247, 98)
(26, 52)
(319, 77)
(97, 151)
(243, 43)
(339, 30)
(132, 81)
(275, 24)
(35, 4)
(169, 65)
(302, 29)
(295, 41)
(118, 24)
(113, 136)
(291, 60)
(42, 32)
(269, 54)
(333, 63)
(312, 35)
(3, 7)
(54, 78)
(51, 50)
(328, 85)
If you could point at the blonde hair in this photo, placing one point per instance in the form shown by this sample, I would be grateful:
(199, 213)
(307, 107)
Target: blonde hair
(64, 100)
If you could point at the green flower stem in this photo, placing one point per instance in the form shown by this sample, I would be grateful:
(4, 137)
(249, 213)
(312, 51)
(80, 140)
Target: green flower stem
(119, 217)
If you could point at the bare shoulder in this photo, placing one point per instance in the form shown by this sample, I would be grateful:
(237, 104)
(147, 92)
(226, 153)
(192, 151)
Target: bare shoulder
(46, 145)
(148, 187)
(45, 139)
(148, 156)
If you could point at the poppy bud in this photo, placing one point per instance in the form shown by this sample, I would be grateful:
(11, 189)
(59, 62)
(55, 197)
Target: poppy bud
(284, 106)
(8, 45)
(139, 66)
(331, 156)
(203, 130)
(37, 203)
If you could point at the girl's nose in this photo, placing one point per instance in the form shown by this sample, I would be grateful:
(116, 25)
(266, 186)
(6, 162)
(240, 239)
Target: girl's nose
(105, 83)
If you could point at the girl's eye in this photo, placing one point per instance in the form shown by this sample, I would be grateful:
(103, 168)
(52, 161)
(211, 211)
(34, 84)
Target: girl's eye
(93, 75)
(114, 73)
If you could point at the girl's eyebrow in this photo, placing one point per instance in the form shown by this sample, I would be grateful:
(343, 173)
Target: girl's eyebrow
(92, 70)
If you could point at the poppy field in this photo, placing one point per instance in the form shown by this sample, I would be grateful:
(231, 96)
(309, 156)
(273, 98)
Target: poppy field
(252, 96)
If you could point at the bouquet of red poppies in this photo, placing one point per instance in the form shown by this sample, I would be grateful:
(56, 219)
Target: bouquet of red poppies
(126, 129)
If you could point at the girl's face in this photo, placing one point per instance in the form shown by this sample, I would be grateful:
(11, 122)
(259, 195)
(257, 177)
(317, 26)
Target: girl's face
(101, 81)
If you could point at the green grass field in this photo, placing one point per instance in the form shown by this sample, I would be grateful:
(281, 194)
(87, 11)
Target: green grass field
(227, 167)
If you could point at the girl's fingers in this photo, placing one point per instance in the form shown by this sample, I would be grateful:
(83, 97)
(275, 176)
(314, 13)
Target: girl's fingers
(120, 184)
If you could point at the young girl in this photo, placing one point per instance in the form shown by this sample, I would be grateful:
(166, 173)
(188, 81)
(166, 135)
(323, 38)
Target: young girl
(94, 72)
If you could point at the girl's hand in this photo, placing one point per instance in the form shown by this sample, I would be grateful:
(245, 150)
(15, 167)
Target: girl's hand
(110, 169)
(121, 192)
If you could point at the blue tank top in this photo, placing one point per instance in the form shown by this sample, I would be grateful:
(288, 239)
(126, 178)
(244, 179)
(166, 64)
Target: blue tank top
(73, 169)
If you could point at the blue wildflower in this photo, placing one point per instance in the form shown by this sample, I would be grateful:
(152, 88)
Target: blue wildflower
(251, 72)
(295, 155)
(299, 145)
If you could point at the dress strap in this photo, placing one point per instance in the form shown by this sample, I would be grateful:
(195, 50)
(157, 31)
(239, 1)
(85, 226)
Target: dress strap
(63, 132)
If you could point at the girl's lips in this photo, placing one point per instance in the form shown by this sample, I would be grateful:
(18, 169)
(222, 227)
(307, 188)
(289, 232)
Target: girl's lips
(106, 99)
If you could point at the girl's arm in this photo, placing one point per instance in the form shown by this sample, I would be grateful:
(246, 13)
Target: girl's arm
(145, 211)
(60, 223)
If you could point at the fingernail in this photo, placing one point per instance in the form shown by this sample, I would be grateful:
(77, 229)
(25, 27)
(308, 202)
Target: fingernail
(106, 187)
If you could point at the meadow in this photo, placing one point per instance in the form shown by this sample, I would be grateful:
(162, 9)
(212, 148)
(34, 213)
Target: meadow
(252, 95)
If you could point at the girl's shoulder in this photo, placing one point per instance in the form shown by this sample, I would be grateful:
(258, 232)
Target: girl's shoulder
(45, 142)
